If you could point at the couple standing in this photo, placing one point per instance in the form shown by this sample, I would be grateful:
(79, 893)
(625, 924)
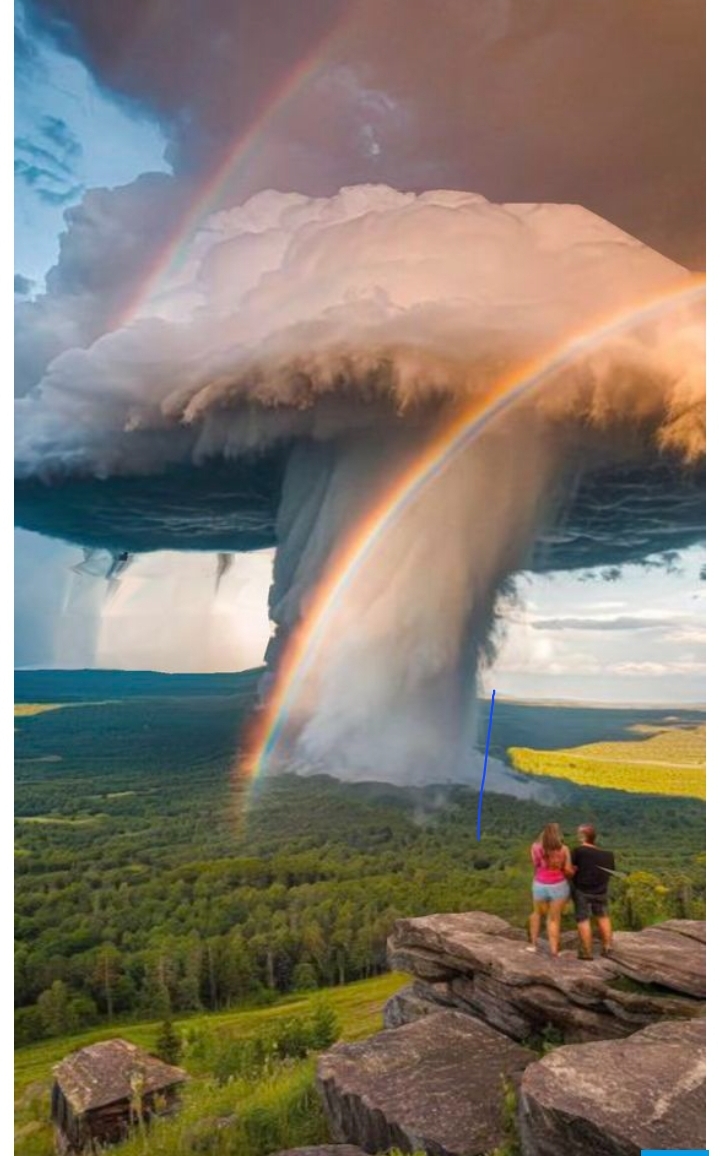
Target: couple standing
(555, 866)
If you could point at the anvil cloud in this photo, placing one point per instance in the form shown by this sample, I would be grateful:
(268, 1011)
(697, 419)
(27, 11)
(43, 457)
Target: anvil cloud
(306, 352)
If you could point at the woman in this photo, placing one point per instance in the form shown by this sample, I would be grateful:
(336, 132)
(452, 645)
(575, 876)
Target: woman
(550, 889)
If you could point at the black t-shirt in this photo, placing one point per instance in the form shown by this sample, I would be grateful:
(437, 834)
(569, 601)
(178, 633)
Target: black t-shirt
(590, 861)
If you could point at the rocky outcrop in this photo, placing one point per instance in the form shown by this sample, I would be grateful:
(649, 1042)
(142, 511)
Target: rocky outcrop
(478, 964)
(630, 1075)
(617, 1097)
(436, 1085)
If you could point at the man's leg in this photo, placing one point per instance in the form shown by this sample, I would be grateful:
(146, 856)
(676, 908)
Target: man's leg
(582, 916)
(585, 936)
(605, 929)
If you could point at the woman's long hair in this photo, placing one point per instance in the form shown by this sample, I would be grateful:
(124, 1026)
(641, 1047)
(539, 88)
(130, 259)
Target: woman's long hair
(551, 839)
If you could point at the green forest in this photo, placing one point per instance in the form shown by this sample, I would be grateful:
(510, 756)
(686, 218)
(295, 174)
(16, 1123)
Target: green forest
(149, 884)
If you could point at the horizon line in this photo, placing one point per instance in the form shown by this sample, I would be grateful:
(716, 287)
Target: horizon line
(520, 700)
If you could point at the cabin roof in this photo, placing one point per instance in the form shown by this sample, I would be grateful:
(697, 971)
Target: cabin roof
(105, 1072)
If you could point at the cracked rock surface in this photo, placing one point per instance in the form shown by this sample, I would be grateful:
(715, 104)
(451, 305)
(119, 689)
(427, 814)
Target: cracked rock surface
(436, 1085)
(617, 1097)
(480, 965)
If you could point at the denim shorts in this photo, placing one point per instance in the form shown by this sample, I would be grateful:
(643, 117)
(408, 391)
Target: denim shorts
(547, 892)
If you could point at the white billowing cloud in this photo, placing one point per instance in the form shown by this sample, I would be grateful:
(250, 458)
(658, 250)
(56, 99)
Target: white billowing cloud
(292, 311)
(104, 251)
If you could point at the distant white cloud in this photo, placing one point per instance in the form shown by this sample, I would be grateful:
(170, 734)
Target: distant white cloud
(657, 669)
(618, 622)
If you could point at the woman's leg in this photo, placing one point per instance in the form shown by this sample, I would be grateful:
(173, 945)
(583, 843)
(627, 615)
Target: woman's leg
(553, 924)
(539, 909)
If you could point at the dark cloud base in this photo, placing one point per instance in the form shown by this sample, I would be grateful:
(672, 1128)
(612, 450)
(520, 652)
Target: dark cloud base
(219, 507)
(615, 517)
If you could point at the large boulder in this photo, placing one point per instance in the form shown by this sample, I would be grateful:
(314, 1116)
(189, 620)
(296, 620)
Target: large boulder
(480, 965)
(407, 1005)
(617, 1097)
(662, 955)
(435, 1085)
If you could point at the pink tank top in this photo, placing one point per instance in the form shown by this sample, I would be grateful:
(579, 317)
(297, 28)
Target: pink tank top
(543, 873)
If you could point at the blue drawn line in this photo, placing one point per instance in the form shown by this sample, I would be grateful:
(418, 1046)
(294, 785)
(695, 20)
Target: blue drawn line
(487, 750)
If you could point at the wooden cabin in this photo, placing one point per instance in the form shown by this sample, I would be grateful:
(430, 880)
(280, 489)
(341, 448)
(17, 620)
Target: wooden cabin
(104, 1090)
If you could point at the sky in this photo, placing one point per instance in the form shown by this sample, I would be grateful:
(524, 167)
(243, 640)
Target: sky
(98, 106)
(68, 137)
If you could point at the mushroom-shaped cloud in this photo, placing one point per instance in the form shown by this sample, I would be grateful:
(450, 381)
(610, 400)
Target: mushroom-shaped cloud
(309, 353)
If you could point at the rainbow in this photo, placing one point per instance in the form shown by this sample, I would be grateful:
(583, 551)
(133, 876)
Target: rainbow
(242, 149)
(435, 458)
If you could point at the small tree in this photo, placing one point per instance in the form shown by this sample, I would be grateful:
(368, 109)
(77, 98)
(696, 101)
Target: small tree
(304, 977)
(168, 1046)
(324, 1025)
(54, 1009)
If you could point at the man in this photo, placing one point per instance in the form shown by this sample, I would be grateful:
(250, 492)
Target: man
(593, 868)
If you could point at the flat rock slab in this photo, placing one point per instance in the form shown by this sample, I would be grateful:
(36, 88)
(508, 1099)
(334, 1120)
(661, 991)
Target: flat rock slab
(456, 936)
(323, 1150)
(435, 1085)
(479, 965)
(663, 956)
(464, 944)
(694, 928)
(616, 1097)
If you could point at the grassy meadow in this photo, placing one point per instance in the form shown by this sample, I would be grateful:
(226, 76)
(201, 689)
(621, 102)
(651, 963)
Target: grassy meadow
(252, 1114)
(30, 709)
(669, 762)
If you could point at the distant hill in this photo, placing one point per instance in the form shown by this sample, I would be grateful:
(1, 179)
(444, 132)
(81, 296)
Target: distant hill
(548, 726)
(544, 725)
(101, 685)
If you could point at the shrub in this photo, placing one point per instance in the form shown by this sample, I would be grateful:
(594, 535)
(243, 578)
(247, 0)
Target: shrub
(168, 1045)
(324, 1025)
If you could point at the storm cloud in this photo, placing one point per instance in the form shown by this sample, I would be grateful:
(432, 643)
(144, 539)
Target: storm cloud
(314, 340)
(600, 104)
(307, 352)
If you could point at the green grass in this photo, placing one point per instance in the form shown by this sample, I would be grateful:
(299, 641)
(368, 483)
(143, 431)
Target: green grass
(62, 820)
(670, 762)
(675, 746)
(28, 709)
(248, 1117)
